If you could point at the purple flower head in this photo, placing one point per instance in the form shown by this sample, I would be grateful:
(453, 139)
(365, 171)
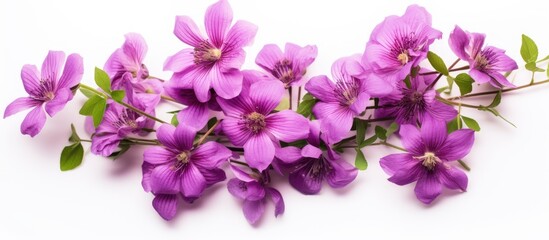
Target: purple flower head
(400, 43)
(410, 105)
(310, 166)
(288, 67)
(344, 99)
(125, 66)
(179, 168)
(49, 88)
(485, 64)
(118, 123)
(428, 161)
(214, 61)
(249, 121)
(253, 189)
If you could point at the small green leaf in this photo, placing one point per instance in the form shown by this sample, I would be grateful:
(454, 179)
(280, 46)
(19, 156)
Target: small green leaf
(408, 82)
(415, 71)
(368, 141)
(283, 105)
(211, 122)
(71, 156)
(528, 49)
(87, 92)
(305, 108)
(451, 81)
(437, 63)
(465, 83)
(548, 70)
(102, 80)
(381, 132)
(360, 160)
(532, 66)
(98, 112)
(454, 124)
(118, 95)
(392, 129)
(89, 105)
(471, 123)
(298, 143)
(497, 114)
(174, 120)
(123, 148)
(496, 101)
(543, 59)
(74, 138)
(442, 89)
(360, 130)
(307, 96)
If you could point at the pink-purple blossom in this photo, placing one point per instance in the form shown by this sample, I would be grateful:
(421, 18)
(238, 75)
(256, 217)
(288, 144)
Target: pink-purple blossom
(288, 66)
(430, 158)
(48, 89)
(215, 61)
(486, 64)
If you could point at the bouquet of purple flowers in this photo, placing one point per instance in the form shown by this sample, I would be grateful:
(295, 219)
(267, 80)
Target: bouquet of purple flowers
(279, 119)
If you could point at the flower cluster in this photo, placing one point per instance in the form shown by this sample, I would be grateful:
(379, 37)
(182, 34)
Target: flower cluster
(241, 124)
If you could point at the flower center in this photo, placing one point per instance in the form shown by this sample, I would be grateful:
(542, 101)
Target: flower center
(255, 122)
(429, 160)
(347, 91)
(49, 95)
(403, 58)
(283, 71)
(127, 119)
(206, 53)
(183, 157)
(482, 62)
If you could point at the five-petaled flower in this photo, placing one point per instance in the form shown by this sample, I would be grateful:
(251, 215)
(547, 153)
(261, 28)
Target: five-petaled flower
(431, 153)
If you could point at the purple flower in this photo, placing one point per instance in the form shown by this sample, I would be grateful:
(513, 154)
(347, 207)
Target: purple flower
(310, 166)
(428, 161)
(485, 64)
(400, 43)
(249, 122)
(345, 99)
(214, 61)
(410, 105)
(179, 168)
(253, 190)
(288, 67)
(125, 65)
(50, 89)
(118, 123)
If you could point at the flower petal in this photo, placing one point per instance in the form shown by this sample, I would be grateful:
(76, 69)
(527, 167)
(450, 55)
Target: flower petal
(165, 135)
(321, 87)
(184, 136)
(408, 173)
(376, 86)
(394, 162)
(146, 169)
(180, 61)
(20, 104)
(259, 151)
(277, 200)
(135, 48)
(253, 210)
(52, 66)
(158, 155)
(72, 73)
(241, 34)
(311, 151)
(458, 42)
(441, 111)
(164, 180)
(62, 96)
(452, 178)
(217, 20)
(193, 182)
(236, 131)
(304, 182)
(411, 139)
(266, 95)
(165, 205)
(213, 176)
(187, 31)
(342, 174)
(201, 83)
(210, 155)
(287, 125)
(195, 115)
(34, 121)
(105, 143)
(241, 174)
(428, 188)
(499, 81)
(227, 84)
(31, 79)
(237, 188)
(269, 55)
(479, 76)
(288, 154)
(457, 145)
(433, 133)
(336, 125)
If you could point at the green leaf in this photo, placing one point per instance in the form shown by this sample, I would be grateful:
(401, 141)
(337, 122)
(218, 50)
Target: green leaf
(496, 101)
(98, 112)
(543, 59)
(118, 95)
(381, 132)
(123, 148)
(528, 49)
(74, 138)
(408, 82)
(451, 81)
(211, 122)
(305, 108)
(368, 141)
(89, 105)
(87, 92)
(465, 83)
(174, 120)
(442, 89)
(471, 123)
(360, 160)
(102, 80)
(298, 143)
(532, 66)
(391, 129)
(548, 70)
(71, 156)
(454, 124)
(437, 63)
(360, 130)
(497, 114)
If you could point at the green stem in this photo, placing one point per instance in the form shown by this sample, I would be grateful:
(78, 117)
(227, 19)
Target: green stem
(389, 145)
(496, 91)
(142, 139)
(239, 162)
(464, 165)
(460, 104)
(290, 93)
(208, 133)
(85, 140)
(298, 96)
(449, 69)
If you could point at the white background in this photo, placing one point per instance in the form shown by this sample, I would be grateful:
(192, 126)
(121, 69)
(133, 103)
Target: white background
(507, 196)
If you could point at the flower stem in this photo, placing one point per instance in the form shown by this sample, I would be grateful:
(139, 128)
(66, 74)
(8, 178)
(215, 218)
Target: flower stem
(142, 139)
(464, 165)
(460, 104)
(85, 140)
(388, 145)
(239, 162)
(450, 69)
(298, 96)
(121, 103)
(290, 93)
(496, 91)
(208, 133)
